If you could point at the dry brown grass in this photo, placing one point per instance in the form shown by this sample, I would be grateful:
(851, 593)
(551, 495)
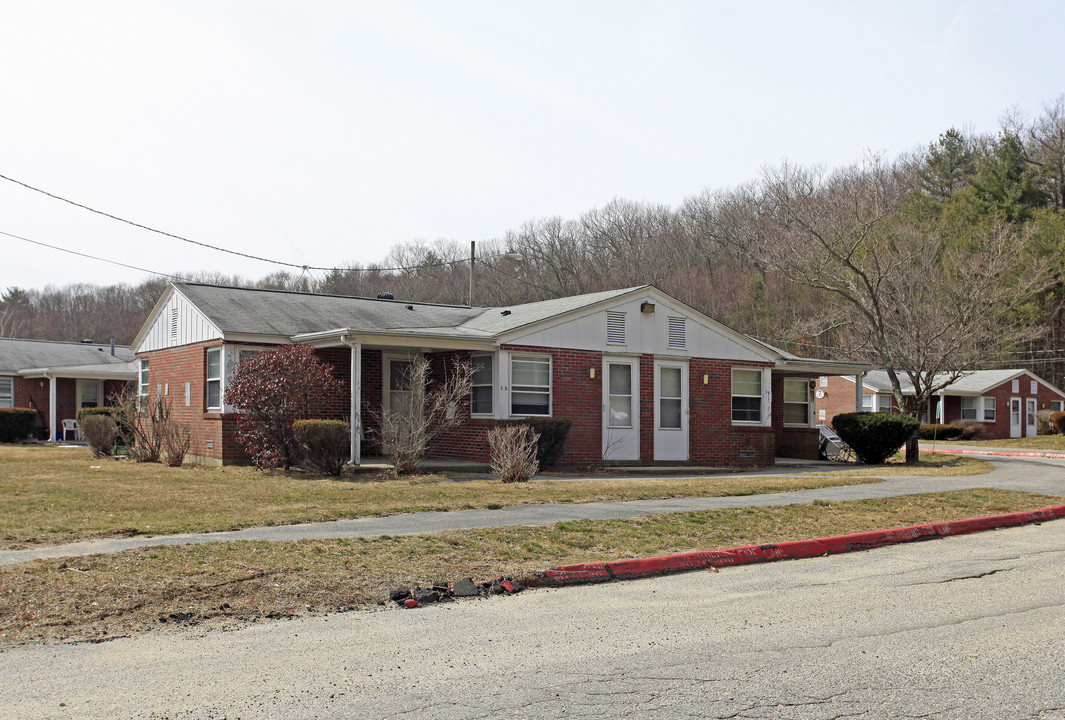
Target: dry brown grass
(1053, 443)
(53, 495)
(104, 596)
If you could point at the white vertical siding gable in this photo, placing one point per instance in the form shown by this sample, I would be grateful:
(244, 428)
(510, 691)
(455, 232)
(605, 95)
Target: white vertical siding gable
(176, 322)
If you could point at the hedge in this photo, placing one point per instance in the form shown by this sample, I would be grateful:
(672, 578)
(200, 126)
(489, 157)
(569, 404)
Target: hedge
(553, 432)
(16, 424)
(325, 443)
(940, 432)
(875, 437)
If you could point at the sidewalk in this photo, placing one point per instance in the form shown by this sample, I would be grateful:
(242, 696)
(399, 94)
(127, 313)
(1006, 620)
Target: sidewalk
(992, 451)
(1009, 474)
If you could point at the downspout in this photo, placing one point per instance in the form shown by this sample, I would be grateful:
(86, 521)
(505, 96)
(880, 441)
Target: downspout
(356, 400)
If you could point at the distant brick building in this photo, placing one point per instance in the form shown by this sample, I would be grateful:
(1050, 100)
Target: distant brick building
(1006, 401)
(643, 377)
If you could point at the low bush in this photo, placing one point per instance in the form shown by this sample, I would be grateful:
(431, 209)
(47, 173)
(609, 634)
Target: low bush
(326, 444)
(970, 429)
(99, 431)
(16, 424)
(1058, 419)
(552, 432)
(177, 439)
(1044, 423)
(939, 432)
(514, 449)
(874, 437)
(125, 434)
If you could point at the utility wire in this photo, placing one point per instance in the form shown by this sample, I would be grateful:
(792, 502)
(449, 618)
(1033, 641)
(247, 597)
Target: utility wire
(226, 250)
(92, 257)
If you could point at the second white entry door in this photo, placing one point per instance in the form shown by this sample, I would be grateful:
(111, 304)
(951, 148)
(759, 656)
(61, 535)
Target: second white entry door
(671, 410)
(621, 409)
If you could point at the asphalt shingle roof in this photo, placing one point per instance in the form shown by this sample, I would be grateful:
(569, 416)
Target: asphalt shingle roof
(18, 355)
(974, 382)
(279, 312)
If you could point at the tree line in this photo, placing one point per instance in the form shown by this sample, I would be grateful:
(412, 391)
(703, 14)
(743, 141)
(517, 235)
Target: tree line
(947, 256)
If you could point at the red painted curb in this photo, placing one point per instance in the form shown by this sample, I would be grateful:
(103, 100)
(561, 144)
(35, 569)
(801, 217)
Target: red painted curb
(583, 573)
(1003, 453)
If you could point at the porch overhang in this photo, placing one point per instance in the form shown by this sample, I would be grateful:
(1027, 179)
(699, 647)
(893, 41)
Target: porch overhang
(805, 367)
(431, 341)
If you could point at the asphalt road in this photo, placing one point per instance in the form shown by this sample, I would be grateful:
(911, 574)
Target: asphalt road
(964, 627)
(1038, 475)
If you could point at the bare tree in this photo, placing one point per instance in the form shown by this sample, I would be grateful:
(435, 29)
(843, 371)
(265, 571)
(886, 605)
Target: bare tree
(407, 427)
(926, 305)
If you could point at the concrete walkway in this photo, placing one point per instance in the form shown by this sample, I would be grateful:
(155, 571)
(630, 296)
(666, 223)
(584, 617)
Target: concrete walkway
(1037, 475)
(948, 449)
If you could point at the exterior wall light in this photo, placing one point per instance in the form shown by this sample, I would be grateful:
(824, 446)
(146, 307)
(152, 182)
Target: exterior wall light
(706, 378)
(647, 307)
(591, 373)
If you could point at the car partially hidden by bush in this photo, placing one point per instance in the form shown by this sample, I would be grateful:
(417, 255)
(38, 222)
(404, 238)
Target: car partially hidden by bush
(874, 437)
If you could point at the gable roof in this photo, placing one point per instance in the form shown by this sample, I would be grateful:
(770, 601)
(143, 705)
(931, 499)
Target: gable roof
(974, 382)
(17, 355)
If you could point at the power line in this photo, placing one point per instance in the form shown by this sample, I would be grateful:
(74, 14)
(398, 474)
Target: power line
(92, 257)
(164, 233)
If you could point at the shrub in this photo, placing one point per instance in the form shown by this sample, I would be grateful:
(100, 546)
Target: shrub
(970, 429)
(326, 444)
(177, 439)
(99, 431)
(938, 432)
(16, 424)
(273, 389)
(125, 434)
(1044, 423)
(1058, 419)
(514, 450)
(875, 437)
(552, 432)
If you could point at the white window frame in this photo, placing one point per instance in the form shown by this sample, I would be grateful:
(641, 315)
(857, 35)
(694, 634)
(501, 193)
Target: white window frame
(143, 375)
(1057, 405)
(208, 379)
(514, 389)
(7, 397)
(761, 396)
(976, 412)
(490, 358)
(785, 402)
(986, 416)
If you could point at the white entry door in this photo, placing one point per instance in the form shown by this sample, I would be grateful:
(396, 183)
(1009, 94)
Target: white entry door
(1030, 409)
(671, 410)
(398, 396)
(621, 409)
(1015, 418)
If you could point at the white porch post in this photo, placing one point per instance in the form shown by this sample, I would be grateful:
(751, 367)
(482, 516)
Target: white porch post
(858, 392)
(356, 401)
(52, 402)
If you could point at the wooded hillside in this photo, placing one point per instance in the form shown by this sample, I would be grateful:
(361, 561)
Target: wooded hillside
(959, 244)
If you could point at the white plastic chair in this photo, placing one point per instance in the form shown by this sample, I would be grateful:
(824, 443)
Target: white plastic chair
(69, 425)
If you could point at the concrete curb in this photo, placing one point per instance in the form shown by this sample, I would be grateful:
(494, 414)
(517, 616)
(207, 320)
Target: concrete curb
(584, 573)
(1003, 453)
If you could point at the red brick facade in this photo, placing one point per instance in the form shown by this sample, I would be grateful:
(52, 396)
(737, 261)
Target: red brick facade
(35, 393)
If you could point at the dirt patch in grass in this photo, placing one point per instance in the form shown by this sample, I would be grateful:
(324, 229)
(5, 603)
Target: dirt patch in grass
(230, 584)
(52, 495)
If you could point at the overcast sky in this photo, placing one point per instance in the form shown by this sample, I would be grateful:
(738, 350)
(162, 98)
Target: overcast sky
(323, 133)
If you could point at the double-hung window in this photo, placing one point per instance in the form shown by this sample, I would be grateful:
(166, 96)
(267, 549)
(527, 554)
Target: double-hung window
(142, 382)
(989, 409)
(7, 392)
(970, 408)
(746, 395)
(481, 385)
(796, 402)
(214, 379)
(530, 385)
(1055, 405)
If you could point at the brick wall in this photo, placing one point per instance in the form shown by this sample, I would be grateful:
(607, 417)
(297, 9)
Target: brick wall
(1000, 428)
(713, 439)
(793, 442)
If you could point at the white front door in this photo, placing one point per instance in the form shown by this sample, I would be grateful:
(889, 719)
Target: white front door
(1030, 409)
(1015, 418)
(397, 393)
(621, 409)
(671, 410)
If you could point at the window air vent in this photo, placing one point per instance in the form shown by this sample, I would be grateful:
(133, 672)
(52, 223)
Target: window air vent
(615, 328)
(677, 334)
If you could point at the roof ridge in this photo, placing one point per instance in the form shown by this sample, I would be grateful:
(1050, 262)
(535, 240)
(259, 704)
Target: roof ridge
(325, 295)
(66, 342)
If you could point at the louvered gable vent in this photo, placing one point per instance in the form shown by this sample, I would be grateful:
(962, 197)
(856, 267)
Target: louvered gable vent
(615, 328)
(678, 339)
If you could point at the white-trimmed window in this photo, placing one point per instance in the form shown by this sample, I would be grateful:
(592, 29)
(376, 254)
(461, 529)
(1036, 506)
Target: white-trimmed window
(7, 392)
(142, 382)
(482, 385)
(796, 402)
(1056, 405)
(746, 395)
(214, 379)
(530, 385)
(1034, 387)
(883, 402)
(867, 402)
(978, 408)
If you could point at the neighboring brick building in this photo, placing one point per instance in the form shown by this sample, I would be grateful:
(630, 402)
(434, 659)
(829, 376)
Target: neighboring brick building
(75, 375)
(643, 377)
(1006, 401)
